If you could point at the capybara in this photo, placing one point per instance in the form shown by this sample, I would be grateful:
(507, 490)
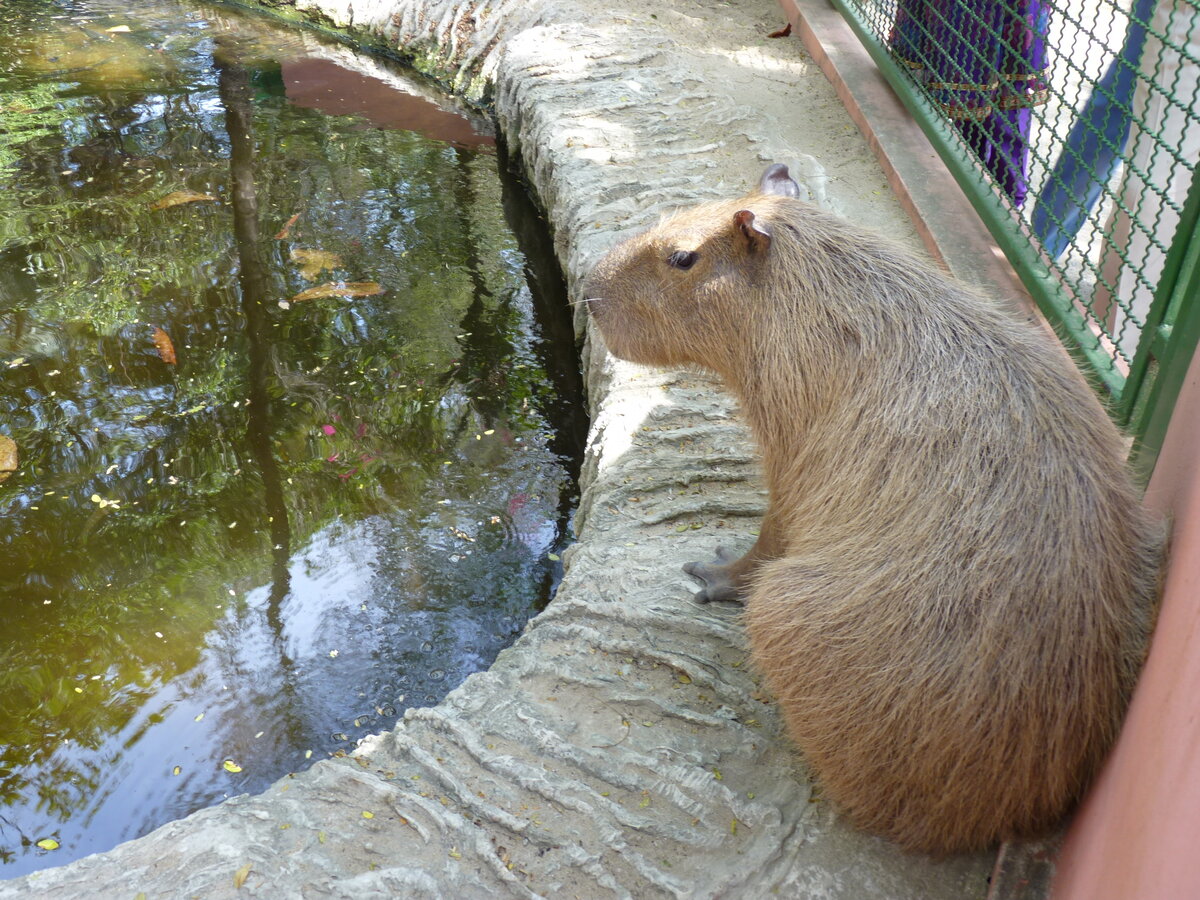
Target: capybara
(953, 588)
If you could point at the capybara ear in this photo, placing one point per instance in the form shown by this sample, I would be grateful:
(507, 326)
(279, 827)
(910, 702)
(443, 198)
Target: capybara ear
(776, 180)
(749, 234)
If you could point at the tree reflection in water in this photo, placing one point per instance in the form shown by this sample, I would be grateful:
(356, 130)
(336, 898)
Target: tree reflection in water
(323, 511)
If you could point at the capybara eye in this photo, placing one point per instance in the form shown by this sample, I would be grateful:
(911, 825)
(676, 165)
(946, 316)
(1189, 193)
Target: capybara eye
(683, 259)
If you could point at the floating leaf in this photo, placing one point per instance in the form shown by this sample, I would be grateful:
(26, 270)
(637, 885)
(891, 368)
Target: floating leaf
(329, 430)
(240, 876)
(230, 766)
(166, 350)
(48, 844)
(287, 228)
(8, 456)
(175, 198)
(177, 770)
(118, 29)
(367, 814)
(313, 262)
(339, 289)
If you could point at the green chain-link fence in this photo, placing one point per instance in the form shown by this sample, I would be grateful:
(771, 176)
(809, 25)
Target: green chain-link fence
(1074, 128)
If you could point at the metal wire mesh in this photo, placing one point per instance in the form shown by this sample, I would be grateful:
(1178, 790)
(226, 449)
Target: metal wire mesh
(1074, 126)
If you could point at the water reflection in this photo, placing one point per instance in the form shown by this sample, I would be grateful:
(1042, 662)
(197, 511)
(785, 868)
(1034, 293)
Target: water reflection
(308, 514)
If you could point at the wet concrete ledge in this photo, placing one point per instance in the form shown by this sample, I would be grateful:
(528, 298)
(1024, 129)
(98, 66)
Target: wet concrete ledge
(622, 747)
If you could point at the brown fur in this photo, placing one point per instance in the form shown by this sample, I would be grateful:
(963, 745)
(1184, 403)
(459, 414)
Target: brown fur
(955, 582)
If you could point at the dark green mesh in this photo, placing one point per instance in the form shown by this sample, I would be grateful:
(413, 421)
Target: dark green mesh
(1074, 128)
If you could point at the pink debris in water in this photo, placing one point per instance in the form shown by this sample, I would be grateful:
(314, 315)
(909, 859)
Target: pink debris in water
(329, 429)
(362, 430)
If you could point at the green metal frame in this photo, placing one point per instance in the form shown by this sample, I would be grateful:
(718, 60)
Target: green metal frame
(1168, 343)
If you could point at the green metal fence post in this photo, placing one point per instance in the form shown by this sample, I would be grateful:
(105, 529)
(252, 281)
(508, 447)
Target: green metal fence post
(1169, 343)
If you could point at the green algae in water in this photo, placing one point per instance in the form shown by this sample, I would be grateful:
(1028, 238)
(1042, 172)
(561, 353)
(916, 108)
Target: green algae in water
(246, 530)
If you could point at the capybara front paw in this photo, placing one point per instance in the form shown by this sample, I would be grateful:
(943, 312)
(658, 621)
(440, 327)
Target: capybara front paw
(719, 585)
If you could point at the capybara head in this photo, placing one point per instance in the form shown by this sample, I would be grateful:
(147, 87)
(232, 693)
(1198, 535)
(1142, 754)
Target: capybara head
(675, 294)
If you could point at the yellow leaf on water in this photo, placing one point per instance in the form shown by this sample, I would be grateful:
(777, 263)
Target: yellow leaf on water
(367, 814)
(339, 289)
(177, 770)
(240, 876)
(175, 198)
(48, 844)
(313, 262)
(230, 766)
(8, 456)
(118, 29)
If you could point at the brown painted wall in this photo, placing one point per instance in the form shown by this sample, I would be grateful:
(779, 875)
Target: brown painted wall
(1137, 836)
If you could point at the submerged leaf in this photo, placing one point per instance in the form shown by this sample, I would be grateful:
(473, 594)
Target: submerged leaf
(8, 456)
(175, 198)
(340, 289)
(287, 228)
(313, 262)
(166, 349)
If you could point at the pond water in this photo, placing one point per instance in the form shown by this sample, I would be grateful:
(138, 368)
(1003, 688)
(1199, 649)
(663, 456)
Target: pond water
(289, 411)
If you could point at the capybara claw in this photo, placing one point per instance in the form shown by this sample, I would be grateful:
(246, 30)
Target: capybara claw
(718, 586)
